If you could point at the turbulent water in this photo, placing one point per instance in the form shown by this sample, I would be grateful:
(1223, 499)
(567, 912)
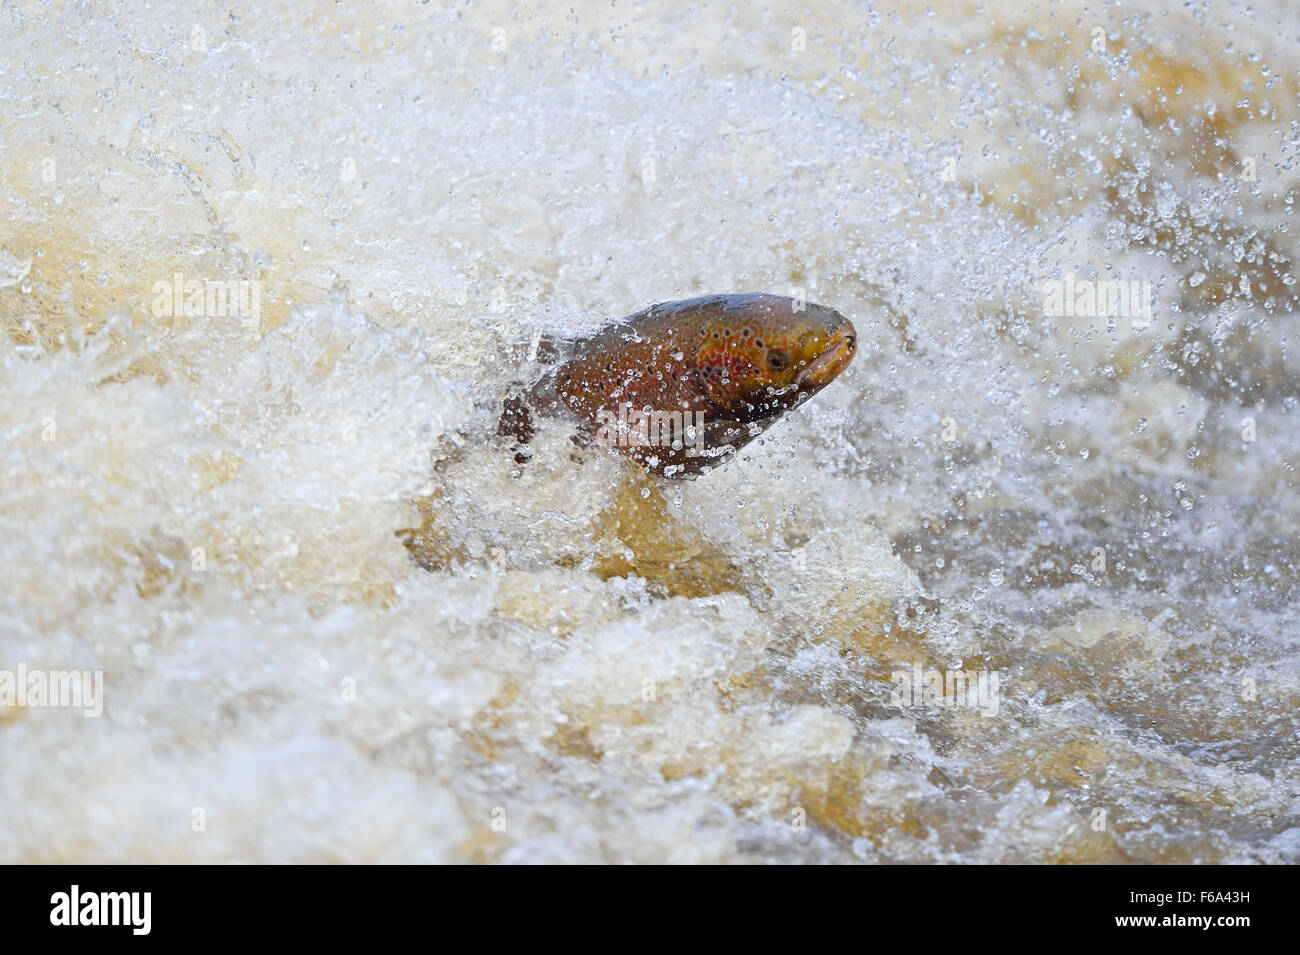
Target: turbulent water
(334, 618)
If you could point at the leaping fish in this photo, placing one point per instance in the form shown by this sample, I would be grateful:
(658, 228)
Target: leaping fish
(681, 386)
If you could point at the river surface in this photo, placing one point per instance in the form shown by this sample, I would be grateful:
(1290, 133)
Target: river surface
(267, 271)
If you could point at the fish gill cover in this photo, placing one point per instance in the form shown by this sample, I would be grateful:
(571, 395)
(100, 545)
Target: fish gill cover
(1019, 586)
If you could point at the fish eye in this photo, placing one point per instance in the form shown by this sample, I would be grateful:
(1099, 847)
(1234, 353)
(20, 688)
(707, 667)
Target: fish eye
(777, 359)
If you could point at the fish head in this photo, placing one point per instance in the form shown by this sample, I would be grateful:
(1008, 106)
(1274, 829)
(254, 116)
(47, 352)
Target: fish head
(760, 355)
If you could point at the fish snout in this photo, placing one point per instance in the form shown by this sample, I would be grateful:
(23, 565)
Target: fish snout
(834, 358)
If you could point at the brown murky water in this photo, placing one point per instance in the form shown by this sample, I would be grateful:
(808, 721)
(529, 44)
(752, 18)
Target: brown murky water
(336, 621)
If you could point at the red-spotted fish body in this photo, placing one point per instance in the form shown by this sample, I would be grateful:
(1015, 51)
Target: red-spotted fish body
(680, 386)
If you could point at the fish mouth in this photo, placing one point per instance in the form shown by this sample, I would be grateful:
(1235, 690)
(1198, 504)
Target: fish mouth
(823, 369)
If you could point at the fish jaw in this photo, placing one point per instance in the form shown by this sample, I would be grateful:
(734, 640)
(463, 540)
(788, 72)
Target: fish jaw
(828, 365)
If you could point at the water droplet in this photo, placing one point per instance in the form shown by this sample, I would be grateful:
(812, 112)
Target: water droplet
(13, 269)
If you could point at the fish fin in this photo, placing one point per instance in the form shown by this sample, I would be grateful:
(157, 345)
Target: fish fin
(723, 437)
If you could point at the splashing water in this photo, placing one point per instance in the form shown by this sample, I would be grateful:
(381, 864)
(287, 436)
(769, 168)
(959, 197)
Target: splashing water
(1019, 586)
